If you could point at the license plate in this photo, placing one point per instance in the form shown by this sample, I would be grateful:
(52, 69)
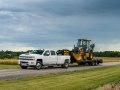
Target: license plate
(24, 64)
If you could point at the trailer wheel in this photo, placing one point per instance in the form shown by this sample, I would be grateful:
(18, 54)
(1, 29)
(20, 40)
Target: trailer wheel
(94, 63)
(98, 63)
(65, 65)
(90, 63)
(78, 63)
(38, 65)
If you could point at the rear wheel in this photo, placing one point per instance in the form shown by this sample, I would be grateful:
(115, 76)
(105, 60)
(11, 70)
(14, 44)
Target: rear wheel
(95, 63)
(65, 65)
(78, 63)
(38, 65)
(23, 67)
(91, 63)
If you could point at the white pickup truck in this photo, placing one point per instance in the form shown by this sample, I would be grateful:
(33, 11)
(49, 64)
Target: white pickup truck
(39, 58)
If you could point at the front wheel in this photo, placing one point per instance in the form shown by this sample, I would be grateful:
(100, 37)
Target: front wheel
(38, 65)
(65, 65)
(23, 67)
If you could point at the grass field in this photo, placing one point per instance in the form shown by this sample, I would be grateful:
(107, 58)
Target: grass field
(3, 66)
(79, 80)
(12, 63)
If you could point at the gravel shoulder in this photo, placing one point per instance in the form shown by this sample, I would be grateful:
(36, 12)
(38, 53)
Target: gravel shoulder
(18, 73)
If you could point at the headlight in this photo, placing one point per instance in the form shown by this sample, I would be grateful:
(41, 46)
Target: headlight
(32, 57)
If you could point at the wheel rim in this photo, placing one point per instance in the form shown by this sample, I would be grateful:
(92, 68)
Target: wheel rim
(66, 64)
(38, 65)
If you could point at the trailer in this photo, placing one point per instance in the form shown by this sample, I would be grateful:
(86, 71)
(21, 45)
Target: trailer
(82, 53)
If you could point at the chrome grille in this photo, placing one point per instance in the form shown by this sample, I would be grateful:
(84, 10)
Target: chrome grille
(26, 58)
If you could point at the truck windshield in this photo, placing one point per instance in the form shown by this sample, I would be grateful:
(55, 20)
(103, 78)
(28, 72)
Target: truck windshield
(37, 52)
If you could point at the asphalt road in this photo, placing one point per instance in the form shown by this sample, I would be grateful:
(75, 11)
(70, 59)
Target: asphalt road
(18, 73)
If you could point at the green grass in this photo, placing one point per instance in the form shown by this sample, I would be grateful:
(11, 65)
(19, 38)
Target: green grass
(77, 80)
(2, 66)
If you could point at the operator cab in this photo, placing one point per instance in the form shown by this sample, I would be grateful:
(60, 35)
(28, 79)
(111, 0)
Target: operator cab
(84, 43)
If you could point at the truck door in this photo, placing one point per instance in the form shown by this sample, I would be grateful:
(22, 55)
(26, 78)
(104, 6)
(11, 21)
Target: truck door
(53, 57)
(46, 59)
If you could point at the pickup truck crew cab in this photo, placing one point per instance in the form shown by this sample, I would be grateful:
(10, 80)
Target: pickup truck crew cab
(39, 58)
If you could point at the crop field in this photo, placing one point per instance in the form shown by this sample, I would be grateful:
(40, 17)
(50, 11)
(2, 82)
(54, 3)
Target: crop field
(109, 59)
(9, 64)
(9, 61)
(15, 62)
(77, 80)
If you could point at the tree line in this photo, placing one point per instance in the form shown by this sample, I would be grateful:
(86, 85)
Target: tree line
(10, 54)
(15, 55)
(107, 54)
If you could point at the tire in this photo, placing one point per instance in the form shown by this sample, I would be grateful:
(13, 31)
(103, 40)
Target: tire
(78, 63)
(96, 63)
(38, 65)
(23, 67)
(65, 65)
(91, 63)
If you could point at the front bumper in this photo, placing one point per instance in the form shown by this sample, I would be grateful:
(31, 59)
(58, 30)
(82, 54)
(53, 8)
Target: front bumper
(26, 62)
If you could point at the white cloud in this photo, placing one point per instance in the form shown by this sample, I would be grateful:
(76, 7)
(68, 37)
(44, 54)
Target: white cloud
(108, 46)
(4, 37)
(15, 47)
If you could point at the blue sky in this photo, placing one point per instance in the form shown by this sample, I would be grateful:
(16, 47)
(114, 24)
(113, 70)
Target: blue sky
(57, 24)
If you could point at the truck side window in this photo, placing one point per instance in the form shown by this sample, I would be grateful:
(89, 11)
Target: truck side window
(52, 52)
(47, 53)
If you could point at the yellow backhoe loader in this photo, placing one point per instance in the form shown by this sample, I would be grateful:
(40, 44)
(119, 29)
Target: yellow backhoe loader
(82, 53)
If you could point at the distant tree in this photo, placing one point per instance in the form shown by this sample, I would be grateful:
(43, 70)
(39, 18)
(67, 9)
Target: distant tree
(107, 54)
(9, 54)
